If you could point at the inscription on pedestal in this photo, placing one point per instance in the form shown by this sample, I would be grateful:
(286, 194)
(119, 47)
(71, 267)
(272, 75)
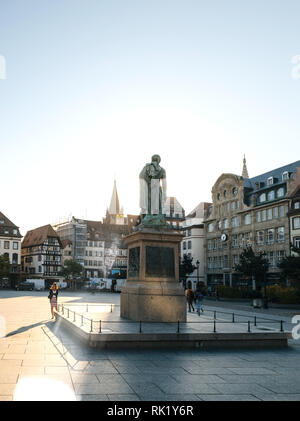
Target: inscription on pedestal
(134, 262)
(160, 262)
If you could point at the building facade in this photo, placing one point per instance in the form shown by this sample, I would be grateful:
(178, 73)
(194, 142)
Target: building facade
(193, 242)
(10, 245)
(294, 213)
(248, 211)
(41, 254)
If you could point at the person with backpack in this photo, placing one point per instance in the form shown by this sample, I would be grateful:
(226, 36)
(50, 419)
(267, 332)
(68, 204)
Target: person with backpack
(190, 298)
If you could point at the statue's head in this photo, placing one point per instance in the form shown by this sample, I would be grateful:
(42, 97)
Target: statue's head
(156, 158)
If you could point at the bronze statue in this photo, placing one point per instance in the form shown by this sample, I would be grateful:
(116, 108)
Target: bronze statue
(153, 188)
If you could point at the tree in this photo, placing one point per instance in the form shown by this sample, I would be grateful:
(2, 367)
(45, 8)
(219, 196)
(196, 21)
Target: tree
(4, 267)
(71, 270)
(186, 267)
(290, 267)
(253, 265)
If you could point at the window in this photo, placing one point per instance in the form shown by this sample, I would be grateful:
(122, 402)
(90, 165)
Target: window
(270, 236)
(225, 193)
(280, 192)
(280, 255)
(184, 245)
(226, 223)
(235, 221)
(218, 196)
(234, 191)
(234, 241)
(233, 205)
(280, 234)
(297, 242)
(270, 213)
(296, 225)
(40, 269)
(15, 245)
(1, 221)
(210, 227)
(235, 260)
(189, 244)
(285, 176)
(225, 261)
(260, 237)
(271, 195)
(264, 215)
(189, 233)
(262, 197)
(258, 216)
(270, 181)
(275, 212)
(281, 211)
(15, 232)
(15, 258)
(6, 244)
(271, 259)
(297, 205)
(220, 262)
(220, 225)
(248, 219)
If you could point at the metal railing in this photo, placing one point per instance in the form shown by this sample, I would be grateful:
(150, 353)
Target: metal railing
(97, 325)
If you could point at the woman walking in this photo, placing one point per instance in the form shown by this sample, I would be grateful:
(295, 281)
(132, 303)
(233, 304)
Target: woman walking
(53, 298)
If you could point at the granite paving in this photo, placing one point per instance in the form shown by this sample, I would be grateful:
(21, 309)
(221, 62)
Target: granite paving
(40, 361)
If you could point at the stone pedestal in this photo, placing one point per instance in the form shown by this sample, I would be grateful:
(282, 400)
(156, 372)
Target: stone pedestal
(152, 291)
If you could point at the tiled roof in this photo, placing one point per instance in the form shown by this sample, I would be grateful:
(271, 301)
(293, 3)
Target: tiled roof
(7, 224)
(38, 236)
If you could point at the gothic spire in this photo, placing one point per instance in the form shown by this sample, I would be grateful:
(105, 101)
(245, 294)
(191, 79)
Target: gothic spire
(114, 207)
(245, 171)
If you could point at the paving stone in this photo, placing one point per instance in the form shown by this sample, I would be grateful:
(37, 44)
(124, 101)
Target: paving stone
(192, 388)
(7, 389)
(6, 398)
(198, 378)
(118, 398)
(228, 397)
(82, 378)
(252, 370)
(279, 397)
(240, 389)
(92, 398)
(57, 370)
(182, 397)
(100, 389)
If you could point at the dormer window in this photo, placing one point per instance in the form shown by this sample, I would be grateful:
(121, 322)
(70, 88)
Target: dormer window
(1, 221)
(285, 176)
(270, 181)
(262, 197)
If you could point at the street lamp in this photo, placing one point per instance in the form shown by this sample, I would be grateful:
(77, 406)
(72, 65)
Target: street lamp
(197, 263)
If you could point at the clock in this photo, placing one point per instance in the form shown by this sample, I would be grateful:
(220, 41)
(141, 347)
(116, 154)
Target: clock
(224, 237)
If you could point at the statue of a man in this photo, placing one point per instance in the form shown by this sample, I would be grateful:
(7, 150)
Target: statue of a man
(153, 188)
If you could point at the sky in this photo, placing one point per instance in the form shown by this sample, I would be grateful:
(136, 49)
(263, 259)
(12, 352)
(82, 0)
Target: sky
(91, 89)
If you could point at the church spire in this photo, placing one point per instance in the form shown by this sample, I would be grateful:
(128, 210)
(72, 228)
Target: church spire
(245, 171)
(114, 207)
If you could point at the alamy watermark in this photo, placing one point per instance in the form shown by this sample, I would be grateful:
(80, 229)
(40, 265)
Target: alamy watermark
(2, 67)
(296, 68)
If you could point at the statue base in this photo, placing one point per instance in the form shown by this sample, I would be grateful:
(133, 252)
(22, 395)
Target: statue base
(152, 291)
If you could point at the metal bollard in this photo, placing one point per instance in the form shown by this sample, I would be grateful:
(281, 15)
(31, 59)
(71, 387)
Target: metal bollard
(215, 315)
(178, 326)
(100, 327)
(140, 326)
(81, 320)
(68, 313)
(281, 326)
(91, 325)
(215, 326)
(63, 309)
(111, 308)
(254, 320)
(74, 319)
(232, 317)
(249, 327)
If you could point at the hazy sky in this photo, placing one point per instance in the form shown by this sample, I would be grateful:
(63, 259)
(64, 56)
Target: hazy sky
(91, 89)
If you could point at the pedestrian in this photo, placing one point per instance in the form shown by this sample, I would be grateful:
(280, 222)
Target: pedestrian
(53, 298)
(198, 301)
(190, 298)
